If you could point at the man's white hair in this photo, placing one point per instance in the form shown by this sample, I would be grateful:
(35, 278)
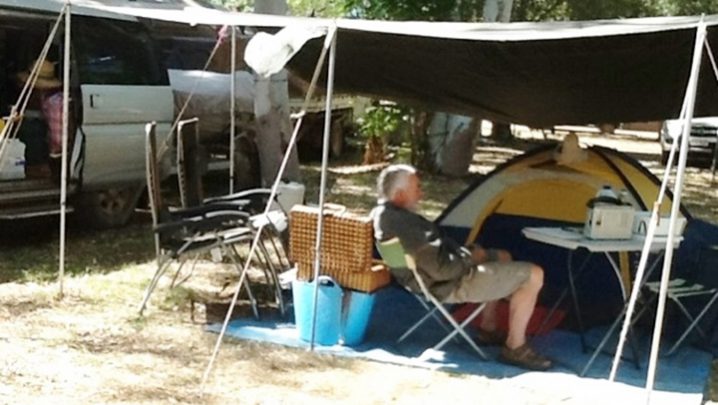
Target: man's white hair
(392, 180)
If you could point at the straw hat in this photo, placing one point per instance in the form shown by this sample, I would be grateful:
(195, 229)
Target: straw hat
(45, 77)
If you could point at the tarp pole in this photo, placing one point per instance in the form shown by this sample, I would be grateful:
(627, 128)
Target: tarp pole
(272, 194)
(675, 208)
(63, 159)
(323, 182)
(646, 250)
(232, 107)
(709, 52)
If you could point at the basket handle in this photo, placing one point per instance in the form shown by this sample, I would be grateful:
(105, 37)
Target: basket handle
(335, 209)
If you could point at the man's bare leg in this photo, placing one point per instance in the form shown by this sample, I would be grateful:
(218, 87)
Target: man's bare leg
(488, 316)
(521, 306)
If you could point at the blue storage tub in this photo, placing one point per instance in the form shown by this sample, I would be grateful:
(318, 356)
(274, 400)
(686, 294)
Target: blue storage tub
(356, 314)
(341, 315)
(329, 310)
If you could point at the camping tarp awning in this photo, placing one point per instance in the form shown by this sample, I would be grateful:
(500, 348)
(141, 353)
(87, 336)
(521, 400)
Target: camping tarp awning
(537, 74)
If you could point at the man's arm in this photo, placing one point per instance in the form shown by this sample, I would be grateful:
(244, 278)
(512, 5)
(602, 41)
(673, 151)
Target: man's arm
(421, 239)
(439, 264)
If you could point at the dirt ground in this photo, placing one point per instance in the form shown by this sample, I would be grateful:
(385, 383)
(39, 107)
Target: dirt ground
(92, 347)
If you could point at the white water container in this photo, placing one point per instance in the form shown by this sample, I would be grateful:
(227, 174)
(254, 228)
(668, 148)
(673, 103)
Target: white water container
(290, 194)
(607, 191)
(12, 165)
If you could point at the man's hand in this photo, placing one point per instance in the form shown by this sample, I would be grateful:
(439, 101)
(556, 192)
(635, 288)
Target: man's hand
(479, 254)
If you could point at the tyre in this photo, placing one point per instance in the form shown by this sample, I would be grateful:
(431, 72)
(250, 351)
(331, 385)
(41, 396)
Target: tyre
(109, 208)
(246, 163)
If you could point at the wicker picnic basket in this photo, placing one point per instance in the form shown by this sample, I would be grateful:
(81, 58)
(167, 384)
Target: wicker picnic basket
(346, 250)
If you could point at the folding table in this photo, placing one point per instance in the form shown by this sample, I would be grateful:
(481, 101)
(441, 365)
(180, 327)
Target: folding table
(572, 239)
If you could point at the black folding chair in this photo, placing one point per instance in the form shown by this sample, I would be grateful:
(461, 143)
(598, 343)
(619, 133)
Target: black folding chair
(189, 232)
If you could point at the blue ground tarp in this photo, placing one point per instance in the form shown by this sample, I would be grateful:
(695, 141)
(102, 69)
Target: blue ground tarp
(394, 310)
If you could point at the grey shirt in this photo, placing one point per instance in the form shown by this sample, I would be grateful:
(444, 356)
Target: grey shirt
(440, 260)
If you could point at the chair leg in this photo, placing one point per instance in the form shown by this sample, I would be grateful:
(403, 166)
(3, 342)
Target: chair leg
(694, 322)
(271, 277)
(161, 268)
(430, 313)
(174, 282)
(245, 281)
(459, 328)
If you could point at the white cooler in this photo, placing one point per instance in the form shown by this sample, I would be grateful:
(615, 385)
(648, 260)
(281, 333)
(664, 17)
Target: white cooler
(609, 222)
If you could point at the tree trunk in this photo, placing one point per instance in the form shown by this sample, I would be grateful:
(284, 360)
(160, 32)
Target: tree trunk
(271, 109)
(420, 155)
(492, 13)
(451, 151)
(456, 155)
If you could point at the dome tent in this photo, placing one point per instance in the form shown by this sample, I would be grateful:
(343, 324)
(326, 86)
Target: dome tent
(544, 188)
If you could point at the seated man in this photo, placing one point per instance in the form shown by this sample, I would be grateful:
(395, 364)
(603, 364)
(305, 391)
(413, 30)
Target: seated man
(455, 274)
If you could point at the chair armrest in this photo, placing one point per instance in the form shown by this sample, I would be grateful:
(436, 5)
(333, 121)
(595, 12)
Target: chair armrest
(207, 222)
(244, 194)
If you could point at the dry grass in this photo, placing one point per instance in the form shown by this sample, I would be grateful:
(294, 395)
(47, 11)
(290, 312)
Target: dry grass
(91, 347)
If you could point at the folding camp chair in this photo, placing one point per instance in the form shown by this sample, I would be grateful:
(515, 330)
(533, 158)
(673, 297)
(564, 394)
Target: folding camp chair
(393, 254)
(189, 164)
(273, 227)
(192, 231)
(678, 291)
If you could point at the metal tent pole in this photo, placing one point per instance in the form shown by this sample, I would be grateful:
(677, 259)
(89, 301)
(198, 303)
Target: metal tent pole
(232, 107)
(65, 130)
(323, 182)
(675, 208)
(292, 142)
(645, 252)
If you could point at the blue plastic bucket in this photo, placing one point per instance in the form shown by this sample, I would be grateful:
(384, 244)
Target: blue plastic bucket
(356, 314)
(329, 310)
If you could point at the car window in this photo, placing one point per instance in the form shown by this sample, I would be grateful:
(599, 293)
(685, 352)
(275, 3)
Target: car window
(115, 53)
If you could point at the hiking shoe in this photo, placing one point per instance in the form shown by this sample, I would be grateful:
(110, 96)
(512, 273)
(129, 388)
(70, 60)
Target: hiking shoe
(490, 337)
(525, 357)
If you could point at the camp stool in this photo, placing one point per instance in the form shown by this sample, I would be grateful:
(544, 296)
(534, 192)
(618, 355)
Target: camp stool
(677, 290)
(394, 255)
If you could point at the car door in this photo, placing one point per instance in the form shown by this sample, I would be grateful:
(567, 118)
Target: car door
(123, 87)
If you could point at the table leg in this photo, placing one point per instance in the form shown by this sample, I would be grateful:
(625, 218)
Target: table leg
(574, 298)
(565, 291)
(614, 325)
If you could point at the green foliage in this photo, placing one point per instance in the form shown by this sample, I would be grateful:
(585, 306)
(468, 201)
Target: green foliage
(237, 5)
(591, 9)
(424, 10)
(695, 7)
(317, 8)
(380, 121)
(540, 10)
(552, 10)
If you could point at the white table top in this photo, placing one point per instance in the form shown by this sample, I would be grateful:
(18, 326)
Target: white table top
(573, 238)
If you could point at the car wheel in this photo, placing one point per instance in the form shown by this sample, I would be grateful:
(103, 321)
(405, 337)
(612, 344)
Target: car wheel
(109, 208)
(246, 164)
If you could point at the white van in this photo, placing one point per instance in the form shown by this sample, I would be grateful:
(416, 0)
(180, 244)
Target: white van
(119, 81)
(117, 86)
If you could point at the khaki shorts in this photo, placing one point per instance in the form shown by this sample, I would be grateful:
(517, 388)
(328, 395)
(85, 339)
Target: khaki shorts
(490, 281)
